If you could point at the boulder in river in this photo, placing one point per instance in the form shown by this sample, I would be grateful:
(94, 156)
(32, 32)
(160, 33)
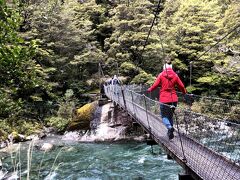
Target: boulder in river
(47, 147)
(16, 137)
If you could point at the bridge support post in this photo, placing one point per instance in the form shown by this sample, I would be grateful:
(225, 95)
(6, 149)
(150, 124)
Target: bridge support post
(169, 157)
(124, 101)
(109, 116)
(102, 101)
(151, 142)
(185, 177)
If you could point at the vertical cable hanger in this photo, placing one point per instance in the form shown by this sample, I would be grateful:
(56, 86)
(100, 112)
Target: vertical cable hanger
(149, 32)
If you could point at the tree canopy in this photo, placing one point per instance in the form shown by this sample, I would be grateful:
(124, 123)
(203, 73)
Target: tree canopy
(48, 47)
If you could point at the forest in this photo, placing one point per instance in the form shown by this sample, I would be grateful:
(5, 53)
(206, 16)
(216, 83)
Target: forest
(50, 52)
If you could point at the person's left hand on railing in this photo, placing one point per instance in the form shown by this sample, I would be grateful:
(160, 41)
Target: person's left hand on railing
(188, 98)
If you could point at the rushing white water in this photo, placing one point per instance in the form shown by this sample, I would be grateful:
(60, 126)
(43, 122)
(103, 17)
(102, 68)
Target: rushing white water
(125, 160)
(103, 128)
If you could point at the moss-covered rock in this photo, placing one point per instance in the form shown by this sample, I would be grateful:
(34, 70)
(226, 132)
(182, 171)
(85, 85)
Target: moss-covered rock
(83, 117)
(16, 137)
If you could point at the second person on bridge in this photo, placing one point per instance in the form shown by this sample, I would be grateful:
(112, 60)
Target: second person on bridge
(167, 80)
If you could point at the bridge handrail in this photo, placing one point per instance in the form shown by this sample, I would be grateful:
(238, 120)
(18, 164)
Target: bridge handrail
(143, 88)
(189, 120)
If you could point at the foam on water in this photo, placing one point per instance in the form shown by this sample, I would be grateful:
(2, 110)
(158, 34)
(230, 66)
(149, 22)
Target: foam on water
(126, 160)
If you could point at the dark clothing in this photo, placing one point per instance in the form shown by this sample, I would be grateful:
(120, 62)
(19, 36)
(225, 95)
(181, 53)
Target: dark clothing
(167, 112)
(115, 82)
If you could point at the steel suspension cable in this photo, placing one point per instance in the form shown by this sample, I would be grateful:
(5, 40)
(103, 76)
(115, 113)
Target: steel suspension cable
(149, 32)
(201, 55)
(155, 17)
(230, 32)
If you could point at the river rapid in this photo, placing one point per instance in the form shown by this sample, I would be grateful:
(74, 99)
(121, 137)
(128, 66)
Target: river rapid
(88, 161)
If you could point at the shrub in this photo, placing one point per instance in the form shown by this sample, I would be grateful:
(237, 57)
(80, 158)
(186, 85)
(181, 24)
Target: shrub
(128, 69)
(57, 122)
(25, 127)
(8, 105)
(143, 78)
(234, 114)
(64, 113)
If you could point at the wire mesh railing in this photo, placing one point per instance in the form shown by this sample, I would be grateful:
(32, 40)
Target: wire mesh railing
(224, 109)
(195, 130)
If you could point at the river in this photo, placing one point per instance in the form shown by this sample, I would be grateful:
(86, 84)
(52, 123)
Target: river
(88, 161)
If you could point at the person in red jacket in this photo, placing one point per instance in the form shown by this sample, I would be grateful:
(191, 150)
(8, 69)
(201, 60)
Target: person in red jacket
(167, 80)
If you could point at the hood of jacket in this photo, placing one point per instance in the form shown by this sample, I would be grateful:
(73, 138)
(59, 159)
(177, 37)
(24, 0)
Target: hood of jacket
(168, 73)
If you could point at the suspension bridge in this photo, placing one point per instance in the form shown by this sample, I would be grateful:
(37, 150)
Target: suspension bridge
(206, 146)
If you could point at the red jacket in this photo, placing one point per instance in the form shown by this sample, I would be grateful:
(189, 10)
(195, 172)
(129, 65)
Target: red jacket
(167, 80)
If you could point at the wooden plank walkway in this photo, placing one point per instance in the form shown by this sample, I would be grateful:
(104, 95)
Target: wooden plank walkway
(198, 160)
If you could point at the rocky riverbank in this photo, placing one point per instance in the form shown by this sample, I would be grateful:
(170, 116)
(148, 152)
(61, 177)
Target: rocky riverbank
(91, 123)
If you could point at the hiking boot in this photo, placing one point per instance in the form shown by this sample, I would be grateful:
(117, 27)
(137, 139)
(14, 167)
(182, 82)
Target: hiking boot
(170, 133)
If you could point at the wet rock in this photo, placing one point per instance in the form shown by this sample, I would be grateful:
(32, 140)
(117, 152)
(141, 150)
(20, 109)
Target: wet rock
(15, 137)
(47, 147)
(140, 138)
(10, 148)
(48, 130)
(3, 144)
(71, 136)
(42, 134)
(9, 176)
(32, 137)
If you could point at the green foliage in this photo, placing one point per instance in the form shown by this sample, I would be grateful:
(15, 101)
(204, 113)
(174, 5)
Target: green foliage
(64, 113)
(67, 105)
(129, 70)
(8, 105)
(217, 109)
(48, 47)
(143, 78)
(59, 123)
(193, 26)
(131, 25)
(234, 114)
(21, 77)
(26, 127)
(6, 128)
(189, 28)
(70, 41)
(191, 89)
